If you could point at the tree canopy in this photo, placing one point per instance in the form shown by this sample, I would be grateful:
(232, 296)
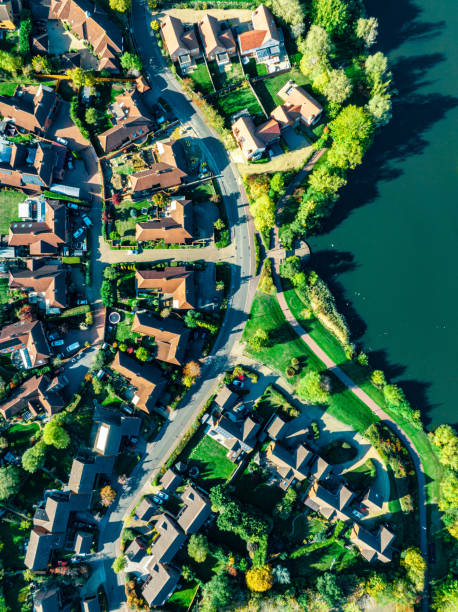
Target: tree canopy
(198, 547)
(259, 579)
(120, 5)
(34, 457)
(310, 388)
(332, 15)
(9, 481)
(55, 435)
(131, 61)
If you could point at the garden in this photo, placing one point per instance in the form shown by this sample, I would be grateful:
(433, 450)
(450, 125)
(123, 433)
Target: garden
(234, 101)
(201, 78)
(230, 74)
(9, 201)
(267, 89)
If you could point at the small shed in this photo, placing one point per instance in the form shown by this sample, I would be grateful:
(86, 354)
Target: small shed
(83, 542)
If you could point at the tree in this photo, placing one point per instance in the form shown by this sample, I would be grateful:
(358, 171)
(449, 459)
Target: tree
(259, 579)
(120, 5)
(97, 385)
(55, 435)
(329, 590)
(352, 132)
(218, 593)
(198, 547)
(263, 210)
(219, 224)
(258, 340)
(219, 498)
(11, 63)
(107, 495)
(9, 481)
(290, 266)
(25, 313)
(165, 312)
(34, 457)
(378, 378)
(338, 87)
(192, 369)
(142, 354)
(281, 574)
(284, 508)
(445, 595)
(155, 25)
(367, 30)
(277, 182)
(191, 318)
(130, 61)
(324, 180)
(99, 360)
(317, 43)
(3, 443)
(188, 573)
(446, 440)
(107, 293)
(293, 12)
(332, 15)
(415, 567)
(41, 63)
(379, 108)
(311, 390)
(394, 396)
(449, 492)
(91, 116)
(76, 75)
(119, 564)
(110, 273)
(376, 67)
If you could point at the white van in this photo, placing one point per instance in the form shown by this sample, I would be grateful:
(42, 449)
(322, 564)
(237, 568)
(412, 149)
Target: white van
(73, 347)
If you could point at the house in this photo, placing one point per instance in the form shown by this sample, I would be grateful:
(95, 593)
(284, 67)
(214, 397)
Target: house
(30, 107)
(41, 544)
(112, 428)
(297, 106)
(253, 140)
(45, 236)
(217, 39)
(7, 20)
(37, 395)
(31, 167)
(160, 584)
(174, 284)
(39, 44)
(92, 25)
(158, 176)
(372, 500)
(136, 550)
(170, 481)
(263, 41)
(225, 398)
(146, 510)
(90, 604)
(175, 228)
(195, 511)
(180, 41)
(29, 340)
(46, 284)
(142, 84)
(170, 538)
(83, 542)
(331, 504)
(291, 433)
(132, 122)
(237, 435)
(146, 381)
(171, 336)
(292, 464)
(48, 600)
(85, 470)
(373, 546)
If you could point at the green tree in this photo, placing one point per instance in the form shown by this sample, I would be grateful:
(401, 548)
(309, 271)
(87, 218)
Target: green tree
(91, 116)
(338, 87)
(415, 567)
(219, 224)
(218, 593)
(258, 340)
(311, 388)
(378, 378)
(263, 210)
(290, 266)
(198, 547)
(219, 498)
(120, 5)
(281, 574)
(107, 293)
(376, 68)
(449, 492)
(329, 589)
(76, 75)
(34, 457)
(191, 318)
(293, 12)
(446, 440)
(11, 63)
(277, 182)
(142, 354)
(41, 63)
(131, 61)
(324, 180)
(55, 435)
(332, 15)
(379, 108)
(9, 481)
(445, 595)
(317, 44)
(352, 132)
(119, 564)
(110, 273)
(394, 396)
(367, 30)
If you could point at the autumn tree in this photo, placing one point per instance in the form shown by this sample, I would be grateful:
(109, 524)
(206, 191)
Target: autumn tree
(107, 495)
(55, 435)
(192, 369)
(76, 75)
(259, 579)
(25, 313)
(311, 388)
(120, 5)
(367, 30)
(41, 63)
(415, 567)
(198, 547)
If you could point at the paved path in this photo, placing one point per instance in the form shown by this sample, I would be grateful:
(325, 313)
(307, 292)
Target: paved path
(209, 253)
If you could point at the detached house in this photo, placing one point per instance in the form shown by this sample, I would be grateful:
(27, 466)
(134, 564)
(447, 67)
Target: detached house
(331, 504)
(171, 336)
(373, 546)
(28, 339)
(31, 167)
(239, 436)
(7, 21)
(174, 285)
(175, 228)
(253, 140)
(46, 235)
(263, 41)
(297, 106)
(46, 284)
(180, 41)
(217, 39)
(38, 394)
(30, 107)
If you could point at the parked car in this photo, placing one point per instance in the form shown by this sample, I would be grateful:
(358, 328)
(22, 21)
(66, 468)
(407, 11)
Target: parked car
(87, 221)
(162, 495)
(73, 205)
(70, 163)
(133, 252)
(63, 141)
(157, 499)
(357, 514)
(81, 301)
(73, 347)
(54, 336)
(79, 232)
(57, 342)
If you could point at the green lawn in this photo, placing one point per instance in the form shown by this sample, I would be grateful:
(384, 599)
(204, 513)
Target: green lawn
(268, 88)
(231, 76)
(210, 457)
(231, 103)
(253, 69)
(7, 89)
(13, 539)
(201, 78)
(362, 477)
(181, 600)
(4, 291)
(9, 201)
(19, 435)
(123, 328)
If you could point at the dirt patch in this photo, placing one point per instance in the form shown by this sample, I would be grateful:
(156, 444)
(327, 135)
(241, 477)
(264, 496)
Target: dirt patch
(236, 16)
(294, 160)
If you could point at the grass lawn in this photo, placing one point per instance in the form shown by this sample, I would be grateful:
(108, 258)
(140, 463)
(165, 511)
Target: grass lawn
(236, 100)
(210, 457)
(8, 208)
(362, 477)
(181, 600)
(253, 69)
(12, 555)
(4, 290)
(7, 89)
(19, 435)
(272, 401)
(123, 329)
(201, 78)
(268, 88)
(124, 169)
(230, 76)
(124, 222)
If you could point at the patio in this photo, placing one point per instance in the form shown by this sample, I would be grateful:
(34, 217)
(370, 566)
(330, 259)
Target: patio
(61, 41)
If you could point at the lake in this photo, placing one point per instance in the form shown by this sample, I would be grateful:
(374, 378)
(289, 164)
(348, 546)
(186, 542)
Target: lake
(389, 249)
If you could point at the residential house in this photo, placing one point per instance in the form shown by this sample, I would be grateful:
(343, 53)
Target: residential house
(292, 464)
(30, 107)
(111, 430)
(45, 284)
(298, 106)
(37, 395)
(264, 40)
(31, 167)
(28, 339)
(217, 39)
(40, 546)
(170, 481)
(291, 433)
(91, 24)
(145, 510)
(238, 435)
(90, 604)
(83, 542)
(180, 41)
(45, 236)
(331, 504)
(174, 284)
(170, 538)
(372, 500)
(158, 176)
(48, 600)
(7, 18)
(136, 550)
(146, 381)
(85, 470)
(170, 335)
(175, 228)
(225, 398)
(253, 140)
(160, 584)
(132, 122)
(373, 546)
(142, 84)
(39, 45)
(195, 511)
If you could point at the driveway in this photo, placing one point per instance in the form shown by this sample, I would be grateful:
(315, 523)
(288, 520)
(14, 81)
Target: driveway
(294, 140)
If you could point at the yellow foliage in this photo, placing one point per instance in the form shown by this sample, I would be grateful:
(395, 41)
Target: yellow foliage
(259, 579)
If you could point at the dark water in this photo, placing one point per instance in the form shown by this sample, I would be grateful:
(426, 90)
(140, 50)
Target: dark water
(390, 246)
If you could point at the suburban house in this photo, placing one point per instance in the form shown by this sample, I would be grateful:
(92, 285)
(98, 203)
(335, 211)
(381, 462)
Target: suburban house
(44, 236)
(331, 504)
(28, 340)
(297, 106)
(253, 140)
(136, 550)
(111, 431)
(217, 39)
(195, 511)
(146, 510)
(180, 41)
(225, 399)
(91, 604)
(7, 20)
(45, 284)
(160, 584)
(175, 228)
(291, 464)
(174, 284)
(49, 600)
(263, 41)
(373, 546)
(132, 122)
(372, 500)
(37, 395)
(146, 381)
(235, 432)
(170, 335)
(170, 481)
(30, 107)
(31, 167)
(92, 25)
(85, 471)
(83, 542)
(158, 176)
